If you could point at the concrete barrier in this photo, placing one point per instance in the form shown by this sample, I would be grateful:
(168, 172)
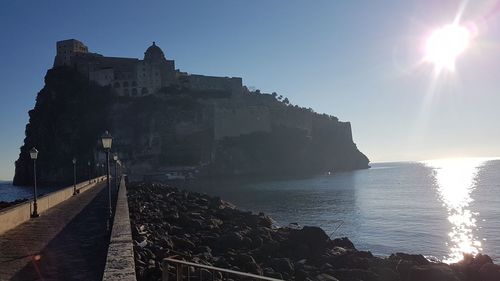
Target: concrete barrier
(120, 265)
(15, 215)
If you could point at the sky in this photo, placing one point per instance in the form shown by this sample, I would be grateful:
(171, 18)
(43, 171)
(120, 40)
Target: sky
(361, 61)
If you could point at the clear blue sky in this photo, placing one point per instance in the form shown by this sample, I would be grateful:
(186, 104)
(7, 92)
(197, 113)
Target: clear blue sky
(357, 60)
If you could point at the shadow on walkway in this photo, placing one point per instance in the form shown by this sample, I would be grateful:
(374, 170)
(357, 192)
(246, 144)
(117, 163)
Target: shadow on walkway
(79, 251)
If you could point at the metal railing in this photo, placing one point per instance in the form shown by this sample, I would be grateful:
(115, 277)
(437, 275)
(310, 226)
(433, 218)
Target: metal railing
(184, 270)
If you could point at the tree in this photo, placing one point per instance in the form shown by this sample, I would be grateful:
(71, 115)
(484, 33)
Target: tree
(286, 101)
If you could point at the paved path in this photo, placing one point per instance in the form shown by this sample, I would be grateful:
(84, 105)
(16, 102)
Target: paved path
(71, 240)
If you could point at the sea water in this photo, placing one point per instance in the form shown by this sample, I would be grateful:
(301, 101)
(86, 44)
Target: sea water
(439, 208)
(9, 192)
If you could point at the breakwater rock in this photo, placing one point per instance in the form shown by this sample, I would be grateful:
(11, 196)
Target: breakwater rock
(168, 222)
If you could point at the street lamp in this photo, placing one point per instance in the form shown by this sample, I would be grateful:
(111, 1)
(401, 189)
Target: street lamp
(34, 156)
(115, 157)
(88, 166)
(107, 140)
(74, 175)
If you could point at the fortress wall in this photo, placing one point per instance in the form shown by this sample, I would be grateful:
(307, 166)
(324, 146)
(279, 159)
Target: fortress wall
(292, 117)
(201, 82)
(231, 122)
(341, 130)
(103, 77)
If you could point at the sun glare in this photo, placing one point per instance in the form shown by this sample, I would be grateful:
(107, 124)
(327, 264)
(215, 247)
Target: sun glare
(445, 44)
(456, 183)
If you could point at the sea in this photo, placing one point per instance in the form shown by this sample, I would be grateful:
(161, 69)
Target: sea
(439, 208)
(9, 192)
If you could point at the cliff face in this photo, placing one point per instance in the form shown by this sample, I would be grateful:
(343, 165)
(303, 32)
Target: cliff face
(250, 135)
(69, 116)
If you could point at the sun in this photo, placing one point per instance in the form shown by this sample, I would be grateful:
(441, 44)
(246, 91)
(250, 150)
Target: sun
(445, 44)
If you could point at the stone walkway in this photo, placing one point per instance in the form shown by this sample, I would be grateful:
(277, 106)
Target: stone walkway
(70, 239)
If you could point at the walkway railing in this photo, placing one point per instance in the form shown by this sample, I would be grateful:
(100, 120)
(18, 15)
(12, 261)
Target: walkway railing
(15, 215)
(183, 270)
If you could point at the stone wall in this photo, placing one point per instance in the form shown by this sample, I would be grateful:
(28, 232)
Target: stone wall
(120, 265)
(235, 120)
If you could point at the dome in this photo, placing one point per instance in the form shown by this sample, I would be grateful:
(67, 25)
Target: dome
(154, 53)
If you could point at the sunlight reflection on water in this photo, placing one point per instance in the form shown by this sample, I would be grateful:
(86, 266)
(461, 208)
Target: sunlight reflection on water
(455, 180)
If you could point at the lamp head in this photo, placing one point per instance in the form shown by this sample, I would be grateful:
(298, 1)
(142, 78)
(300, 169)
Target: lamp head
(34, 153)
(106, 140)
(74, 160)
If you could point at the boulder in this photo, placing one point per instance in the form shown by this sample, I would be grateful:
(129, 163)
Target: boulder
(432, 272)
(314, 238)
(325, 277)
(282, 265)
(343, 242)
(252, 267)
(242, 259)
(348, 274)
(490, 272)
(183, 243)
(232, 240)
(412, 259)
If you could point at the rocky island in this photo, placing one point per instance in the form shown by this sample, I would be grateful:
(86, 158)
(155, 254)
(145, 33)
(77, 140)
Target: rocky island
(162, 119)
(168, 222)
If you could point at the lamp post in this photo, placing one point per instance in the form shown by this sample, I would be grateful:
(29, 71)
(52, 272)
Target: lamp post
(74, 175)
(88, 166)
(34, 156)
(115, 157)
(107, 140)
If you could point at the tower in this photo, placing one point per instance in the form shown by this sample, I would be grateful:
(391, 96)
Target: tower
(67, 49)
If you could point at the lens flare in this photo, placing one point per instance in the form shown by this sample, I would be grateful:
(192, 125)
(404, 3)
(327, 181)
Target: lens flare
(445, 44)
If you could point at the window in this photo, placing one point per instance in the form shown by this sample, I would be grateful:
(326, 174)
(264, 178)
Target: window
(134, 83)
(125, 84)
(144, 91)
(116, 85)
(134, 92)
(126, 92)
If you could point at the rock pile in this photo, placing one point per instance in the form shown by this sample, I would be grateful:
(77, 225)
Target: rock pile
(167, 222)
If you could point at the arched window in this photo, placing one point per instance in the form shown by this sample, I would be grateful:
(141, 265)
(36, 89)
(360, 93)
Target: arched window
(125, 84)
(144, 91)
(117, 85)
(134, 92)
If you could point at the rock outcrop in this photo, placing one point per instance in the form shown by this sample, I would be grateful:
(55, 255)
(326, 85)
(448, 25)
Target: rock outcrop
(253, 134)
(167, 222)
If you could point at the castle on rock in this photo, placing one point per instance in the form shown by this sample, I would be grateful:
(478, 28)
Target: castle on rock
(134, 77)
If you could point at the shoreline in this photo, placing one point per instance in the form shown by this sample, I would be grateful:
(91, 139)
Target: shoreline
(199, 228)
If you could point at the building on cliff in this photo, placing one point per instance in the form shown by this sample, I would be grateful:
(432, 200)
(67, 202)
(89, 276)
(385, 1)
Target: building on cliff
(178, 120)
(134, 77)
